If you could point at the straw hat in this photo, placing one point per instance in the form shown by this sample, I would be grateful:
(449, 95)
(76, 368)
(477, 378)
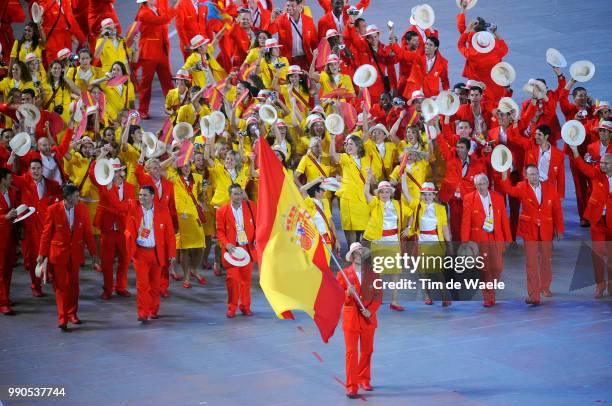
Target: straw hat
(354, 247)
(23, 212)
(330, 184)
(507, 104)
(198, 41)
(21, 143)
(501, 158)
(448, 103)
(555, 58)
(423, 16)
(483, 42)
(380, 127)
(536, 88)
(384, 185)
(294, 70)
(429, 109)
(603, 104)
(268, 114)
(117, 165)
(313, 118)
(149, 140)
(107, 22)
(37, 13)
(217, 122)
(104, 171)
(365, 76)
(428, 187)
(371, 29)
(475, 83)
(359, 11)
(63, 54)
(331, 33)
(334, 123)
(182, 74)
(605, 125)
(503, 74)
(206, 127)
(416, 95)
(470, 4)
(30, 113)
(360, 118)
(41, 268)
(332, 58)
(240, 257)
(182, 131)
(573, 133)
(272, 43)
(582, 71)
(31, 57)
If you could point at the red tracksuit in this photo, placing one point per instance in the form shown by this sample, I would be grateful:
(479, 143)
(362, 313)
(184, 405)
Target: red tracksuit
(8, 247)
(60, 26)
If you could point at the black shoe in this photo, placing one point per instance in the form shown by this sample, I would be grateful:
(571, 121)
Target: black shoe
(64, 328)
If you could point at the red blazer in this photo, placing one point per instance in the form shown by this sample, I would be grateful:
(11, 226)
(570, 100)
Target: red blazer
(465, 114)
(474, 217)
(59, 243)
(327, 21)
(97, 11)
(600, 197)
(29, 196)
(430, 81)
(428, 33)
(167, 197)
(154, 43)
(58, 151)
(265, 15)
(190, 22)
(8, 236)
(283, 27)
(594, 150)
(352, 319)
(226, 228)
(453, 178)
(107, 214)
(165, 241)
(236, 44)
(11, 11)
(537, 222)
(66, 23)
(478, 66)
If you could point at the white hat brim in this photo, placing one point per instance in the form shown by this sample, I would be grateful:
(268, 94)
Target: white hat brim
(240, 257)
(25, 215)
(497, 156)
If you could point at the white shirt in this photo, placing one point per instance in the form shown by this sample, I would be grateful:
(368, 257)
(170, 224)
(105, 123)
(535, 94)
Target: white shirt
(158, 185)
(382, 150)
(339, 23)
(319, 221)
(233, 174)
(50, 169)
(486, 203)
(429, 222)
(40, 188)
(544, 164)
(358, 273)
(85, 75)
(120, 89)
(357, 161)
(238, 217)
(430, 63)
(120, 190)
(389, 216)
(297, 48)
(538, 192)
(602, 150)
(503, 137)
(147, 223)
(70, 216)
(464, 166)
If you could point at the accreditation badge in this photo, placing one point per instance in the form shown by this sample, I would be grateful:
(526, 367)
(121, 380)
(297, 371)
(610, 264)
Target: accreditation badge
(242, 238)
(144, 233)
(488, 225)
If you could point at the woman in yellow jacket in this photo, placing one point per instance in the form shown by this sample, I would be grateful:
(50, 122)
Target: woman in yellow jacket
(331, 78)
(416, 170)
(430, 225)
(84, 74)
(199, 167)
(381, 152)
(272, 64)
(225, 173)
(296, 94)
(354, 210)
(33, 41)
(36, 69)
(256, 47)
(202, 64)
(119, 97)
(188, 198)
(179, 96)
(388, 221)
(111, 48)
(57, 92)
(18, 78)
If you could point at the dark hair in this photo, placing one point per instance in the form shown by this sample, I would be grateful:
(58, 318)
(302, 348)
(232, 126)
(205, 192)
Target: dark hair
(255, 43)
(465, 142)
(544, 129)
(459, 85)
(148, 188)
(131, 131)
(409, 35)
(35, 37)
(13, 92)
(4, 172)
(477, 88)
(542, 80)
(359, 20)
(3, 130)
(435, 41)
(358, 142)
(25, 73)
(313, 190)
(578, 89)
(121, 65)
(234, 186)
(68, 190)
(62, 83)
(85, 51)
(35, 160)
(28, 91)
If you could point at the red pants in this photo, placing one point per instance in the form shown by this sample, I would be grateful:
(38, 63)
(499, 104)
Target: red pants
(601, 236)
(66, 285)
(456, 212)
(238, 284)
(493, 258)
(29, 249)
(581, 185)
(112, 244)
(149, 68)
(148, 272)
(165, 279)
(358, 361)
(539, 267)
(7, 261)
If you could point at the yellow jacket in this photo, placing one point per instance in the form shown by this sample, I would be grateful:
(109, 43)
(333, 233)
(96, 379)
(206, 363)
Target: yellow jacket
(115, 101)
(418, 208)
(374, 229)
(111, 53)
(199, 76)
(378, 161)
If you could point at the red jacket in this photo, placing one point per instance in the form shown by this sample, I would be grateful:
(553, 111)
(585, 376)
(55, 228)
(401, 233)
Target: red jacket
(352, 319)
(107, 217)
(328, 22)
(97, 11)
(58, 152)
(59, 242)
(7, 231)
(537, 222)
(190, 22)
(154, 43)
(226, 228)
(430, 82)
(284, 28)
(465, 114)
(478, 66)
(165, 241)
(66, 23)
(594, 149)
(236, 45)
(11, 12)
(600, 197)
(167, 197)
(474, 217)
(29, 196)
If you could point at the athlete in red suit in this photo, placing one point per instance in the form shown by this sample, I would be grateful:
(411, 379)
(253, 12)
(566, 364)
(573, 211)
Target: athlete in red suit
(67, 229)
(540, 218)
(236, 43)
(336, 16)
(488, 226)
(599, 148)
(11, 12)
(152, 245)
(190, 21)
(238, 280)
(38, 192)
(111, 223)
(60, 27)
(284, 24)
(154, 51)
(8, 238)
(600, 201)
(431, 80)
(358, 325)
(97, 11)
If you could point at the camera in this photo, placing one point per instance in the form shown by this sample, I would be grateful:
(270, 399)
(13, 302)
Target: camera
(341, 46)
(59, 109)
(353, 12)
(73, 58)
(106, 33)
(273, 96)
(278, 65)
(582, 114)
(242, 133)
(398, 101)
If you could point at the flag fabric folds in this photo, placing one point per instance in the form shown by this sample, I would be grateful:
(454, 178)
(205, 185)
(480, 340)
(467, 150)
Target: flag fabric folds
(294, 273)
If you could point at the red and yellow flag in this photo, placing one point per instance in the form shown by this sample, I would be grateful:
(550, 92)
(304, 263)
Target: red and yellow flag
(294, 272)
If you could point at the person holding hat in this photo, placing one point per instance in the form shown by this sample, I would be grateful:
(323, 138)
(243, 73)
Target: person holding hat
(478, 112)
(52, 157)
(119, 96)
(236, 44)
(60, 27)
(544, 101)
(194, 109)
(8, 238)
(272, 64)
(236, 234)
(331, 78)
(600, 201)
(430, 226)
(380, 150)
(98, 11)
(296, 33)
(296, 93)
(540, 219)
(313, 126)
(224, 174)
(486, 223)
(417, 169)
(111, 223)
(354, 209)
(202, 64)
(110, 47)
(314, 165)
(179, 96)
(336, 15)
(66, 231)
(358, 324)
(32, 41)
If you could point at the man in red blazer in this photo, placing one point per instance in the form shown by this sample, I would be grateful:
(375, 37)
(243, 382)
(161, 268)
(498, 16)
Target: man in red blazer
(38, 192)
(479, 113)
(358, 325)
(11, 11)
(8, 238)
(164, 196)
(67, 229)
(336, 15)
(190, 21)
(111, 223)
(154, 51)
(600, 201)
(541, 217)
(60, 26)
(151, 243)
(600, 148)
(236, 228)
(260, 14)
(235, 45)
(296, 34)
(485, 222)
(429, 72)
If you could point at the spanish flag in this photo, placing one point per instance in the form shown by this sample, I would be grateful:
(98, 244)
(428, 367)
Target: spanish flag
(294, 273)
